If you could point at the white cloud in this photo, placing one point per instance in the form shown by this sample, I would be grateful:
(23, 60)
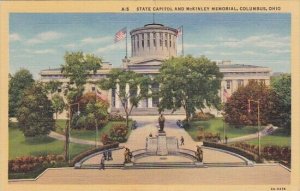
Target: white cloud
(14, 37)
(279, 51)
(71, 46)
(44, 51)
(111, 47)
(95, 40)
(211, 46)
(264, 41)
(45, 37)
(247, 52)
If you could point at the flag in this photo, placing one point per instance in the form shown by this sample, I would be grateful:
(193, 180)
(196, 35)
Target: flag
(121, 34)
(225, 94)
(179, 31)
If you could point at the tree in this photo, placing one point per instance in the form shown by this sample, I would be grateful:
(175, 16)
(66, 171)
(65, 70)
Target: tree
(53, 86)
(282, 88)
(77, 67)
(129, 82)
(188, 82)
(236, 107)
(17, 84)
(93, 111)
(35, 114)
(58, 104)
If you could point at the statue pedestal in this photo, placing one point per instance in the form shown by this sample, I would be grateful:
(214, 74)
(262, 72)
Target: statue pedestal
(130, 164)
(162, 144)
(200, 164)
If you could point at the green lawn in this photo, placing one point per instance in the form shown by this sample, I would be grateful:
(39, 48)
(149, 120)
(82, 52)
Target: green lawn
(21, 146)
(277, 138)
(216, 126)
(90, 134)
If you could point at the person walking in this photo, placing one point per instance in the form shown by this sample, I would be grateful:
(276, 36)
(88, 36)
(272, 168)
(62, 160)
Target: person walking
(181, 141)
(110, 155)
(102, 161)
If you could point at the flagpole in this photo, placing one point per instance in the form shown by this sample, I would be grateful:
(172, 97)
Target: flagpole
(126, 43)
(182, 41)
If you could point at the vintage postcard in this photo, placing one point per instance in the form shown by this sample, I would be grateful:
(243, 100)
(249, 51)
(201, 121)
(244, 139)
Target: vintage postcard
(148, 95)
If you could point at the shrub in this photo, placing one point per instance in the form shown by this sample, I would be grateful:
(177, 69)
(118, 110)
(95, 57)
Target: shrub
(28, 163)
(118, 132)
(203, 116)
(105, 139)
(116, 117)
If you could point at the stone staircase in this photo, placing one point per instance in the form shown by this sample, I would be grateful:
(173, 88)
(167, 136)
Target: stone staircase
(165, 165)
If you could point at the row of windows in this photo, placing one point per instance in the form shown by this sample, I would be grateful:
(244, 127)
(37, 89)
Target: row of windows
(240, 83)
(137, 38)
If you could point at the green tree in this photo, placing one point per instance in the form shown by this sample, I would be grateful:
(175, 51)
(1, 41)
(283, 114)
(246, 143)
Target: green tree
(53, 86)
(58, 104)
(236, 107)
(188, 82)
(282, 88)
(17, 84)
(128, 82)
(77, 67)
(35, 114)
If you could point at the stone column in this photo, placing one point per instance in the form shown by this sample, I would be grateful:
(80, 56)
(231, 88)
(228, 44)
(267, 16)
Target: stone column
(150, 98)
(138, 92)
(117, 101)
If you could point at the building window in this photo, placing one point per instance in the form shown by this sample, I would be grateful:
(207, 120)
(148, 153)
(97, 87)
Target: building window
(138, 41)
(240, 83)
(143, 40)
(228, 84)
(166, 43)
(148, 43)
(170, 40)
(148, 36)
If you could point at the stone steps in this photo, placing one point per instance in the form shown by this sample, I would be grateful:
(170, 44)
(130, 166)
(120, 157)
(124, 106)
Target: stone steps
(165, 165)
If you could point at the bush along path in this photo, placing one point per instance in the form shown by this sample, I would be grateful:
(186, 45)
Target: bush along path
(72, 140)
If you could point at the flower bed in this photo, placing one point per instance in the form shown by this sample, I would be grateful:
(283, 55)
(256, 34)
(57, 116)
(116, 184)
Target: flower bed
(31, 166)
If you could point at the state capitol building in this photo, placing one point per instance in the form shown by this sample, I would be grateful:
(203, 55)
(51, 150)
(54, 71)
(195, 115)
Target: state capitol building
(150, 46)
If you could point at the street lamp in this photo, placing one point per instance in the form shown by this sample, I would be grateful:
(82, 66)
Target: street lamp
(68, 130)
(258, 120)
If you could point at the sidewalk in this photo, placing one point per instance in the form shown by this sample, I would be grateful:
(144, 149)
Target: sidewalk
(72, 140)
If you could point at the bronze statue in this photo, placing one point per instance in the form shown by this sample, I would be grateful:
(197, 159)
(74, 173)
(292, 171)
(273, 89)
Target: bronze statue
(199, 154)
(161, 122)
(127, 156)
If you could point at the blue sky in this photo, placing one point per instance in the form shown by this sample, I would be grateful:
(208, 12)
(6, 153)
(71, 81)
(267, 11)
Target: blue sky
(39, 41)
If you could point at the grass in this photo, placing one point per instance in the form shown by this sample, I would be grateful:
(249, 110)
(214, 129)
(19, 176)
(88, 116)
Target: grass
(90, 134)
(278, 138)
(36, 146)
(216, 126)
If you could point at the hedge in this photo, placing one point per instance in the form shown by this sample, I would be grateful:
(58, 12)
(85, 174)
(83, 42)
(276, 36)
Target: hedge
(84, 154)
(246, 154)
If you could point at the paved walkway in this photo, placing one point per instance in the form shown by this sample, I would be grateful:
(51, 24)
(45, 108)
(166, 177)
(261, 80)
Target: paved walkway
(72, 140)
(149, 122)
(256, 175)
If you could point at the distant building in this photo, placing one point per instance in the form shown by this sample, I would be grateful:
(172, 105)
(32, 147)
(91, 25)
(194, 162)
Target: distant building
(152, 44)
